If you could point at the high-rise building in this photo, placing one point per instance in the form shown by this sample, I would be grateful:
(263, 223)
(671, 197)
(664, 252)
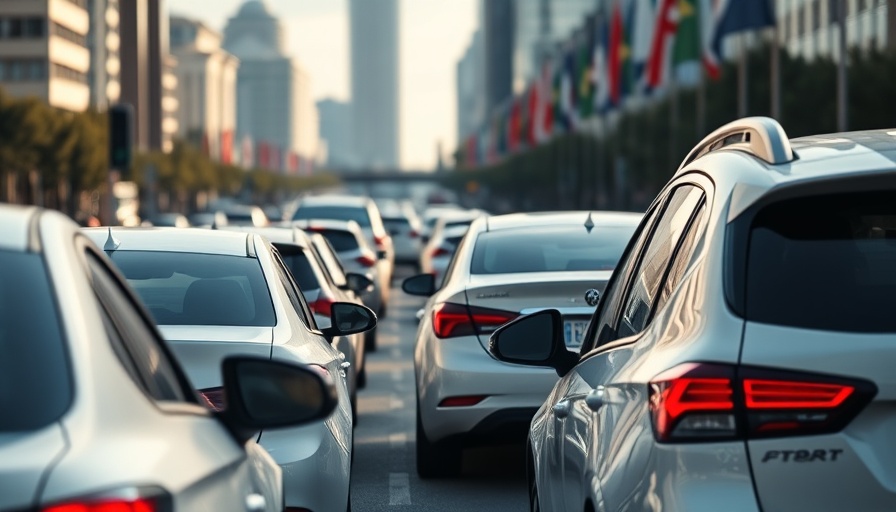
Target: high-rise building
(147, 79)
(470, 89)
(498, 26)
(43, 51)
(336, 130)
(274, 104)
(374, 78)
(104, 42)
(206, 86)
(809, 28)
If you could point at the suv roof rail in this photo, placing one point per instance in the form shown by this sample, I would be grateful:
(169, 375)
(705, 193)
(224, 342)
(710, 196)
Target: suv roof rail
(762, 137)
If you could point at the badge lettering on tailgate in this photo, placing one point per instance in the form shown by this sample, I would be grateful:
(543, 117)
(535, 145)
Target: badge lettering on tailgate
(801, 455)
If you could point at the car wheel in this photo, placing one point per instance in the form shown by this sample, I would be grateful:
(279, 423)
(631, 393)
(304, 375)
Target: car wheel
(436, 460)
(370, 341)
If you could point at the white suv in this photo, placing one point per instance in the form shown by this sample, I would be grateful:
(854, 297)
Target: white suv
(741, 358)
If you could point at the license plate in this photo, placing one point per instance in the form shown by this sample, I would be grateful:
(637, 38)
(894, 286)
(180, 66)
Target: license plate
(574, 332)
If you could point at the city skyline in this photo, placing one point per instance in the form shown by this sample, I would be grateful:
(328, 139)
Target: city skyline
(433, 36)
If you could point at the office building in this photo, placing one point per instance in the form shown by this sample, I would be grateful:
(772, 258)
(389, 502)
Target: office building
(104, 43)
(336, 131)
(44, 53)
(374, 82)
(498, 26)
(206, 86)
(274, 105)
(470, 88)
(809, 28)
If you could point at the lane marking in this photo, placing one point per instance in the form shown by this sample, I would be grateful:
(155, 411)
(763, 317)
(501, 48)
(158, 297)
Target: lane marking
(396, 375)
(398, 440)
(396, 352)
(399, 489)
(396, 403)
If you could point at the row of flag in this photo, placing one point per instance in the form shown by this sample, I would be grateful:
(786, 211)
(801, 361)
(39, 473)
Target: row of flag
(250, 154)
(628, 49)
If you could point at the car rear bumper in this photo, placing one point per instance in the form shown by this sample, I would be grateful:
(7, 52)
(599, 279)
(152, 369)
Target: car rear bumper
(460, 367)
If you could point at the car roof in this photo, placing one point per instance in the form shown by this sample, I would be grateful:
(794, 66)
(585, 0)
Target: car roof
(276, 234)
(192, 240)
(343, 225)
(542, 219)
(15, 224)
(335, 200)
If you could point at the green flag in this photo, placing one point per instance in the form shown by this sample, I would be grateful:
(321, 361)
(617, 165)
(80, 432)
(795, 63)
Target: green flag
(688, 45)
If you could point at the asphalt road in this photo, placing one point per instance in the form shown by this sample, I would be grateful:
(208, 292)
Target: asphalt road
(384, 476)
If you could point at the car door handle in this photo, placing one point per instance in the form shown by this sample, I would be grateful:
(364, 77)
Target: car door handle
(561, 409)
(256, 503)
(595, 399)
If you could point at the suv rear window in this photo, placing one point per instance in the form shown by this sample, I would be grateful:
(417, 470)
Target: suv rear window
(341, 241)
(182, 288)
(824, 262)
(35, 378)
(358, 214)
(549, 249)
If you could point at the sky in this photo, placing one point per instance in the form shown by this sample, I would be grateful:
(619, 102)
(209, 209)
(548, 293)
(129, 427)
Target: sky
(434, 36)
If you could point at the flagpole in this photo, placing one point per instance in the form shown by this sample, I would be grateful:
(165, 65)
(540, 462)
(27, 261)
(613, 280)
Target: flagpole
(742, 79)
(842, 84)
(673, 118)
(776, 73)
(701, 105)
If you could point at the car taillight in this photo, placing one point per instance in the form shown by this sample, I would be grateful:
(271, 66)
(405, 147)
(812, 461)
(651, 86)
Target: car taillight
(138, 499)
(441, 251)
(414, 233)
(366, 260)
(214, 398)
(380, 241)
(323, 305)
(705, 402)
(451, 320)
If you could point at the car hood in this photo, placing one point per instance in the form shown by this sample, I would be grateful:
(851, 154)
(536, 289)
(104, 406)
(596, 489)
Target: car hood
(25, 459)
(200, 349)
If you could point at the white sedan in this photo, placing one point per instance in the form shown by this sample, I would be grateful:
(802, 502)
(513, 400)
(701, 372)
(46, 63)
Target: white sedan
(216, 294)
(98, 415)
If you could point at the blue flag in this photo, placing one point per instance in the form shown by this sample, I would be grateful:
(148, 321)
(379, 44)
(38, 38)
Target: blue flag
(732, 16)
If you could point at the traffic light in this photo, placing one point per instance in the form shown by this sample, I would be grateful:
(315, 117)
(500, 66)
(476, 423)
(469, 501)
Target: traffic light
(121, 136)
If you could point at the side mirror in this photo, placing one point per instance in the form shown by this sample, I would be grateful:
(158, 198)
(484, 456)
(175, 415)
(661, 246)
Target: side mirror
(347, 318)
(533, 340)
(358, 282)
(263, 394)
(421, 284)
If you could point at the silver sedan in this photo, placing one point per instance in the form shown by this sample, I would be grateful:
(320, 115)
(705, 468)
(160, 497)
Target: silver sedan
(505, 266)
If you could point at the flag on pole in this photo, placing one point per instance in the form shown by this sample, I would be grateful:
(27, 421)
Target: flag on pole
(643, 18)
(585, 70)
(659, 63)
(614, 55)
(544, 110)
(687, 47)
(601, 67)
(730, 17)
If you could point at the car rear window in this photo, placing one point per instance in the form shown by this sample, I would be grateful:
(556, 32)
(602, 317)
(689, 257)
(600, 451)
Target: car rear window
(199, 289)
(35, 377)
(297, 262)
(399, 223)
(341, 241)
(824, 262)
(549, 249)
(358, 214)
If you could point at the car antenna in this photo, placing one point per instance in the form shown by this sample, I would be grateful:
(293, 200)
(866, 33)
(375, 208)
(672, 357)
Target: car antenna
(112, 243)
(589, 223)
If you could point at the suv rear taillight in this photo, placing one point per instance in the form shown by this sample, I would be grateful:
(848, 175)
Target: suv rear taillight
(706, 402)
(323, 305)
(440, 251)
(136, 499)
(450, 320)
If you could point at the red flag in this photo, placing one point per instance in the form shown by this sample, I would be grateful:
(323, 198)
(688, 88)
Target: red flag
(227, 147)
(264, 155)
(513, 125)
(613, 59)
(661, 49)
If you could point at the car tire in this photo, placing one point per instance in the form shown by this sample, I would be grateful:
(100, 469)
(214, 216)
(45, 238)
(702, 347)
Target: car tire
(436, 460)
(370, 342)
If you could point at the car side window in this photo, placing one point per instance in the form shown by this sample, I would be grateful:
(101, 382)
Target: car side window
(602, 327)
(134, 340)
(293, 292)
(644, 285)
(683, 256)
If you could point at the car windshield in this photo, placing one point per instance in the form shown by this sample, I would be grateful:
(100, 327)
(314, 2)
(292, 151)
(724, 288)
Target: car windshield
(199, 289)
(355, 213)
(35, 378)
(549, 249)
(824, 262)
